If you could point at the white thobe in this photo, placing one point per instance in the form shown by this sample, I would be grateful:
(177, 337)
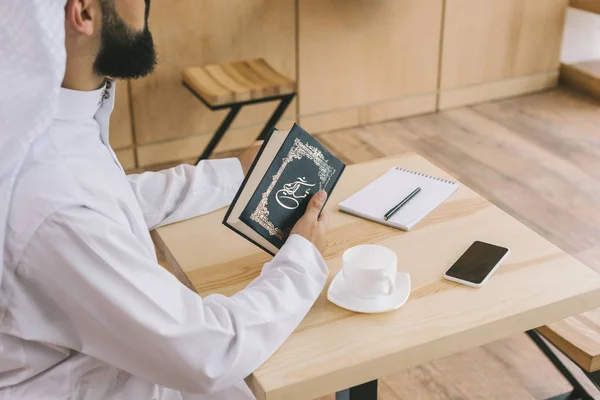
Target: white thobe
(86, 312)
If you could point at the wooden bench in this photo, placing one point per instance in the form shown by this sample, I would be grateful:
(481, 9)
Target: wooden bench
(584, 76)
(578, 338)
(234, 85)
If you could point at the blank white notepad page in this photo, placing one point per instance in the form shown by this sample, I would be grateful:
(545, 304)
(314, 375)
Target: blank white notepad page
(377, 198)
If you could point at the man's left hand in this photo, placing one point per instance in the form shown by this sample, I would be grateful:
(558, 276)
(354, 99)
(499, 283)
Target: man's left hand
(247, 156)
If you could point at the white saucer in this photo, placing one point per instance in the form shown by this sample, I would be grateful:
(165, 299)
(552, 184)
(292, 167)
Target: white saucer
(341, 296)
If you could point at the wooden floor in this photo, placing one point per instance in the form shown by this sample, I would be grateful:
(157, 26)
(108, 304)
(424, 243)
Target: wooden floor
(538, 158)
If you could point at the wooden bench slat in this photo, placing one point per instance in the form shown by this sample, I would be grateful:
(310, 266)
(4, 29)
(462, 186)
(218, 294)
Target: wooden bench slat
(220, 84)
(283, 83)
(203, 85)
(578, 337)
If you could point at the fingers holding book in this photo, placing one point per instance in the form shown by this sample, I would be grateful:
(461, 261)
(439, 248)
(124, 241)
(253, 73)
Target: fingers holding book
(312, 226)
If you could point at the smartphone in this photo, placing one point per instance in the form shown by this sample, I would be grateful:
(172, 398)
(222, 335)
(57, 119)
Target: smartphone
(477, 264)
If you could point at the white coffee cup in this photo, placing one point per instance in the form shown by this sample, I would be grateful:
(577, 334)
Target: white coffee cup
(370, 270)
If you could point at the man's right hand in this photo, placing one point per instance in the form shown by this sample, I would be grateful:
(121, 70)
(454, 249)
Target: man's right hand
(313, 227)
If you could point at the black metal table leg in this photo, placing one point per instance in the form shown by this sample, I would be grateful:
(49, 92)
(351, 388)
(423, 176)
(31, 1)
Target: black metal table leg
(567, 396)
(579, 392)
(366, 391)
(276, 116)
(220, 132)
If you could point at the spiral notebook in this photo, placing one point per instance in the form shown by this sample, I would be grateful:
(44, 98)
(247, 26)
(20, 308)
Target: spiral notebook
(381, 195)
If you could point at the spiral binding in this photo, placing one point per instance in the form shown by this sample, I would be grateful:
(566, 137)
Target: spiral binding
(426, 176)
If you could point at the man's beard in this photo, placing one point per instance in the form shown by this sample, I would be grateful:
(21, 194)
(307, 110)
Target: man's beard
(124, 53)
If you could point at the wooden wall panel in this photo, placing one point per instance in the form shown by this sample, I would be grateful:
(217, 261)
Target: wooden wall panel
(592, 6)
(191, 147)
(487, 41)
(366, 114)
(508, 87)
(126, 158)
(357, 53)
(198, 32)
(121, 134)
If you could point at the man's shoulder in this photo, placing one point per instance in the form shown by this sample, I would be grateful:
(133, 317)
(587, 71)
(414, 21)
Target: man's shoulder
(43, 186)
(49, 182)
(45, 177)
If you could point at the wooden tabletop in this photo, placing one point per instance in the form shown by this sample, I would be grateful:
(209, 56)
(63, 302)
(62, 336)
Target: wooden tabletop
(334, 349)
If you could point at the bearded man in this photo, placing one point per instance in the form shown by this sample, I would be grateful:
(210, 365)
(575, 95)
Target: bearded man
(86, 312)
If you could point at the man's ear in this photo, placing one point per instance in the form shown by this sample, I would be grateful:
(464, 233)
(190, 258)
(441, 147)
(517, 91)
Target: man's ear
(83, 16)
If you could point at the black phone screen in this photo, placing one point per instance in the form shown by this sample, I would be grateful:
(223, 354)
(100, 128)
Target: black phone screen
(477, 262)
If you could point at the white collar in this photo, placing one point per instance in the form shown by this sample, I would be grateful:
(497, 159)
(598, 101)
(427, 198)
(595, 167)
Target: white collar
(78, 105)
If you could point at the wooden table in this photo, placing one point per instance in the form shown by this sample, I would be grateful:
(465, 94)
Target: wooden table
(334, 349)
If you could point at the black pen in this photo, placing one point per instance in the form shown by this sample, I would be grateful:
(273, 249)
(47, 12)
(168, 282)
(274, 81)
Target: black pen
(402, 203)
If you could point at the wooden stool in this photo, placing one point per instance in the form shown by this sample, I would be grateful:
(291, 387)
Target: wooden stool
(235, 85)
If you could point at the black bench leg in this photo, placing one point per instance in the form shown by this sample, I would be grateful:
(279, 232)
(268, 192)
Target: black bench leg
(219, 133)
(366, 391)
(283, 105)
(568, 396)
(579, 392)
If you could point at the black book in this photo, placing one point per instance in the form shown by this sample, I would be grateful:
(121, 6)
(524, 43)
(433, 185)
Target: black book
(289, 169)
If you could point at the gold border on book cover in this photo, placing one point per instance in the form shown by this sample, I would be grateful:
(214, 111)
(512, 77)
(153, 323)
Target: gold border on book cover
(298, 151)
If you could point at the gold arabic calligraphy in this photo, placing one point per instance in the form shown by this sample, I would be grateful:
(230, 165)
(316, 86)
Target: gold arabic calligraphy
(291, 192)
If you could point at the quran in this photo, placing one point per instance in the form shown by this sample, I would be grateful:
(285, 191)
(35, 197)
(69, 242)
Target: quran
(290, 167)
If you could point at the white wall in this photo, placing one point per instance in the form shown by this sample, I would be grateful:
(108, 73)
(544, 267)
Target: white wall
(581, 40)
